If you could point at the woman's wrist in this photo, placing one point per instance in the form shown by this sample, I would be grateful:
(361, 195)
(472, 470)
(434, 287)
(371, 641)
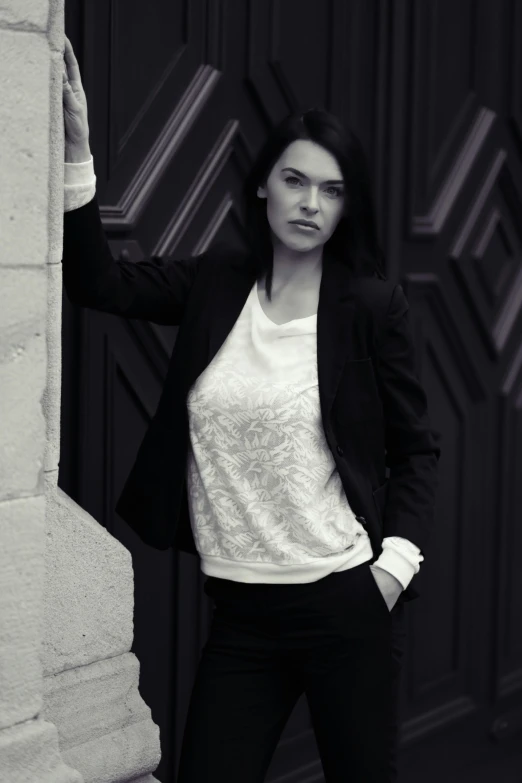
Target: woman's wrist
(78, 153)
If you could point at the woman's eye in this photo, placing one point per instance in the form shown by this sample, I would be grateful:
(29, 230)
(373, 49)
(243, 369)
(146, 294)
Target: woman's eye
(336, 191)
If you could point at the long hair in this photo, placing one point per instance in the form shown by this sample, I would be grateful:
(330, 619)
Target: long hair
(354, 241)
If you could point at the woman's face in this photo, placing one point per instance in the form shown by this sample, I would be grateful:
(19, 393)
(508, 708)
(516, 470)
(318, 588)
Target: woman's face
(312, 190)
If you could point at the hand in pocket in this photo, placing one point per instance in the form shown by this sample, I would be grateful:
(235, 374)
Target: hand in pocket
(389, 586)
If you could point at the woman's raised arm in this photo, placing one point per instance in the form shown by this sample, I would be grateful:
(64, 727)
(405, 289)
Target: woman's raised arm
(154, 289)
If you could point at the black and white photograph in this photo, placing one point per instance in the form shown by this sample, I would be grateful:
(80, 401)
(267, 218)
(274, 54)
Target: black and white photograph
(261, 391)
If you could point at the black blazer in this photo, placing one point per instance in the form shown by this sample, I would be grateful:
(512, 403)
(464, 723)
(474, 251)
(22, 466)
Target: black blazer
(373, 407)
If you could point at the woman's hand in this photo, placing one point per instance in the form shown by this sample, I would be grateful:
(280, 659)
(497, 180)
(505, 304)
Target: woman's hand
(389, 586)
(76, 125)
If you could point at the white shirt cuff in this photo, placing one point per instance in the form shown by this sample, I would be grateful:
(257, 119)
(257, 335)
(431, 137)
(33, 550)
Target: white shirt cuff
(79, 182)
(401, 558)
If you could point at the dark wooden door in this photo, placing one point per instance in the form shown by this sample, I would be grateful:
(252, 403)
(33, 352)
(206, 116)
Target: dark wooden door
(181, 95)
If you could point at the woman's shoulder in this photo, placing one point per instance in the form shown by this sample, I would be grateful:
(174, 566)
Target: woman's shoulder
(378, 295)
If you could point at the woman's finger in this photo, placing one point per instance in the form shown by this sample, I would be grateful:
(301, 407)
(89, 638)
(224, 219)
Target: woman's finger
(73, 70)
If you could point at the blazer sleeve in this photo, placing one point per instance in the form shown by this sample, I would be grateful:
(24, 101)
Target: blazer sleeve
(155, 289)
(412, 452)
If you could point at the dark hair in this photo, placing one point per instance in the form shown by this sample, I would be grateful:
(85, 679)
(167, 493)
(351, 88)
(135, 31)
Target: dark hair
(355, 237)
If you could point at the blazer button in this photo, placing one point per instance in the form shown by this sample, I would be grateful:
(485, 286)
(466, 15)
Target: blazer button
(362, 520)
(340, 451)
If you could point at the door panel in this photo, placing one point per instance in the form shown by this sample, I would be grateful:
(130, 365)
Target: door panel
(179, 102)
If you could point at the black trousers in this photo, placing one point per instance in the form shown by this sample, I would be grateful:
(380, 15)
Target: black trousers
(334, 640)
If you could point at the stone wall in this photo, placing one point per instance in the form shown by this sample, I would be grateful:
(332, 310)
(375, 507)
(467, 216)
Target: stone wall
(70, 709)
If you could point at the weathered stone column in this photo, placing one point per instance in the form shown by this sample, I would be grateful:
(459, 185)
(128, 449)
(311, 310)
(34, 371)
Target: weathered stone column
(70, 710)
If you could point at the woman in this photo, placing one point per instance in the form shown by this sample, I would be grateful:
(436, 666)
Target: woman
(295, 363)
